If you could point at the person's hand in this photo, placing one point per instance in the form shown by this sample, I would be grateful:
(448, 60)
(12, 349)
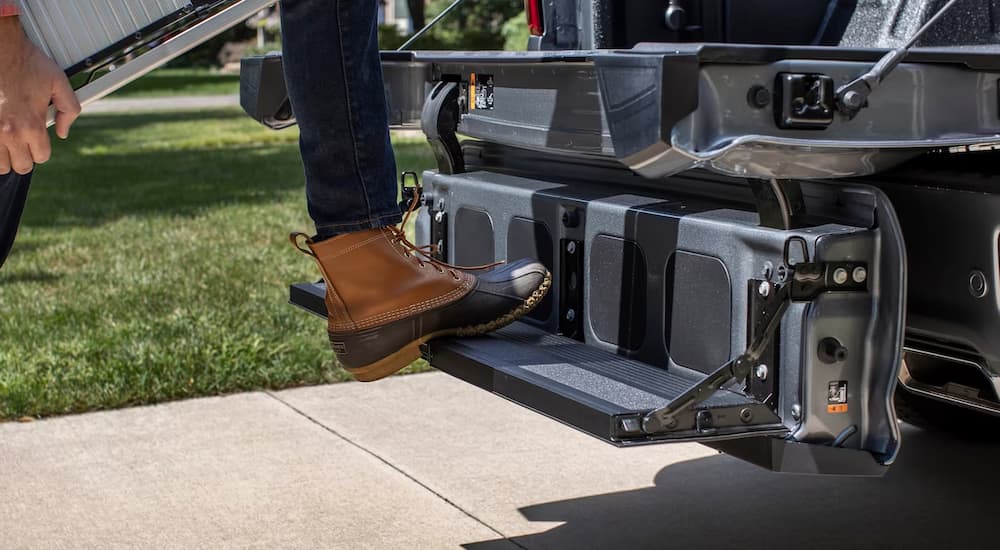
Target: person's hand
(29, 82)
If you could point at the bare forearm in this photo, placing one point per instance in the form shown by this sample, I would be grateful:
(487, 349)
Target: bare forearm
(10, 24)
(11, 35)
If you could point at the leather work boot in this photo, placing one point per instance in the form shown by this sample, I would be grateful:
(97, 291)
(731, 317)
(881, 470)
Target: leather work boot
(385, 297)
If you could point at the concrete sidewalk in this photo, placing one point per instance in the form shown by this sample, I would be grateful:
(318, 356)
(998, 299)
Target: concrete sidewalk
(426, 461)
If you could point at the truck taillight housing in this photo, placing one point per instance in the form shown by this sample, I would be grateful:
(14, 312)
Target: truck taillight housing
(536, 23)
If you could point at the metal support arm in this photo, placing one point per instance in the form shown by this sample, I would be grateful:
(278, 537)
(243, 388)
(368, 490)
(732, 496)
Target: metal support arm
(805, 281)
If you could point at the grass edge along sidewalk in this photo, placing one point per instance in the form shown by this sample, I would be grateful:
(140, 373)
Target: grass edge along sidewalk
(153, 264)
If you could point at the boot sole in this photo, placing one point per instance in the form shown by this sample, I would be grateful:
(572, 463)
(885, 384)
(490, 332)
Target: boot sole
(399, 360)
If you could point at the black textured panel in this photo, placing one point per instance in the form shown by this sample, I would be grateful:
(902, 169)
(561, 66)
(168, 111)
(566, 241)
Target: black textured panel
(591, 389)
(617, 301)
(531, 239)
(474, 241)
(626, 385)
(701, 313)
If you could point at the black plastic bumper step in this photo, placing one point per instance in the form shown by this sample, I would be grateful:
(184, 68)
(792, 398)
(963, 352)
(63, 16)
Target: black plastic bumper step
(593, 390)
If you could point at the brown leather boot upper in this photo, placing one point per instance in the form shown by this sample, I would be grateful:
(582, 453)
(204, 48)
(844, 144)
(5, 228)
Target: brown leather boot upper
(375, 277)
(386, 297)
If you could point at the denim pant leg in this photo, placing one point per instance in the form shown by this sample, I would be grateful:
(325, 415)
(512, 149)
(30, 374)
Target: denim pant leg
(334, 79)
(13, 194)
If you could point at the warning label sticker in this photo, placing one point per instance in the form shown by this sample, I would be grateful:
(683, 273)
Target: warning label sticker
(481, 92)
(836, 396)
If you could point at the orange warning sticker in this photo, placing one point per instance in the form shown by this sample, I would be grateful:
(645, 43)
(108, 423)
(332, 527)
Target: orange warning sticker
(836, 397)
(472, 91)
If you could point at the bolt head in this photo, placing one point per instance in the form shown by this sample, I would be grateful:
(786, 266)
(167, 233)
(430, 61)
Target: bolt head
(852, 100)
(782, 273)
(764, 289)
(746, 415)
(759, 97)
(860, 274)
(571, 218)
(977, 284)
(796, 411)
(840, 276)
(439, 217)
(675, 17)
(571, 247)
(768, 270)
(760, 372)
(571, 315)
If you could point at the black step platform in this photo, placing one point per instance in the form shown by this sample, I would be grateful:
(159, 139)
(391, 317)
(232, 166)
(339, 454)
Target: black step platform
(593, 390)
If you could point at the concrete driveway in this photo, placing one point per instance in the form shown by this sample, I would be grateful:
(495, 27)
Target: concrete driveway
(426, 461)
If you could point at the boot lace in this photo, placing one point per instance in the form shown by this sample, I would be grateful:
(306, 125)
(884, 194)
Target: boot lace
(424, 255)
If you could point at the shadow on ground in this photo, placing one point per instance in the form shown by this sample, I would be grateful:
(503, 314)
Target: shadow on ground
(937, 495)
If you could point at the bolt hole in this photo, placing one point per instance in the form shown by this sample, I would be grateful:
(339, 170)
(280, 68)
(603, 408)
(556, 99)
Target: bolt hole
(831, 351)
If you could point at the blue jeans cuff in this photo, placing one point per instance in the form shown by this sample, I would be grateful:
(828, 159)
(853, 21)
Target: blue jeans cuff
(381, 220)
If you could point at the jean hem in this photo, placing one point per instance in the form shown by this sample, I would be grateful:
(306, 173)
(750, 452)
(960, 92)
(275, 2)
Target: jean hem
(373, 222)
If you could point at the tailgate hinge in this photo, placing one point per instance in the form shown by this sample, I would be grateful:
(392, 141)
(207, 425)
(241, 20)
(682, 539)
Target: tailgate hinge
(803, 282)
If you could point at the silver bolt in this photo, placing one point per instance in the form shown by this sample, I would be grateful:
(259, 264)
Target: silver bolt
(761, 372)
(764, 289)
(796, 411)
(440, 245)
(768, 270)
(746, 415)
(570, 315)
(439, 217)
(860, 274)
(631, 424)
(852, 100)
(840, 276)
(571, 247)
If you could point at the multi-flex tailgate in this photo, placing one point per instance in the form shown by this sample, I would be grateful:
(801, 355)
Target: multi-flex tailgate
(680, 318)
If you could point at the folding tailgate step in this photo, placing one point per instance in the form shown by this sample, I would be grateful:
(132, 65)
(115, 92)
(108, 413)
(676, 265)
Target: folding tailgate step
(598, 392)
(593, 390)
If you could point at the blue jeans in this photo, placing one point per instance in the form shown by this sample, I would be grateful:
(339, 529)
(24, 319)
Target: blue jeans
(334, 79)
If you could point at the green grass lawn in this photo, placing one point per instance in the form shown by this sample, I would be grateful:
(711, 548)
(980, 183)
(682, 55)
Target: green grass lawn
(153, 264)
(177, 82)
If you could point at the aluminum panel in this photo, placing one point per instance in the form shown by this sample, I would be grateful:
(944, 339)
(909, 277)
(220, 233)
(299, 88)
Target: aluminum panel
(70, 32)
